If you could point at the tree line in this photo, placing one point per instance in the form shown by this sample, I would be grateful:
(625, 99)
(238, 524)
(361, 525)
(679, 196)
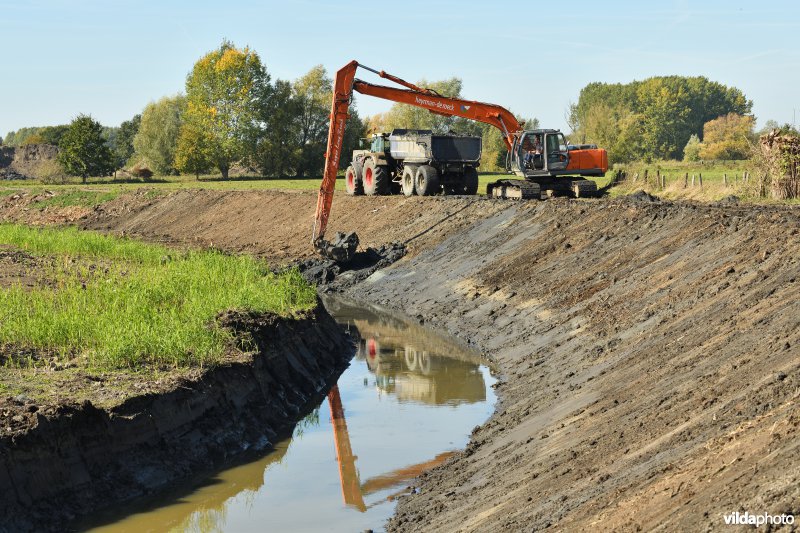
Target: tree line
(233, 114)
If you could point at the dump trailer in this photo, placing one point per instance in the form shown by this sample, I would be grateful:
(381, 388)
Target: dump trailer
(415, 161)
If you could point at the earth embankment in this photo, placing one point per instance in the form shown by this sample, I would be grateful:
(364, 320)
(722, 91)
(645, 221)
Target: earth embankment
(278, 224)
(651, 360)
(649, 351)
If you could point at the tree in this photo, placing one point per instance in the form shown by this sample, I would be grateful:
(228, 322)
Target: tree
(227, 92)
(122, 148)
(312, 94)
(16, 138)
(354, 131)
(53, 134)
(83, 151)
(691, 152)
(36, 138)
(277, 152)
(194, 155)
(727, 137)
(157, 137)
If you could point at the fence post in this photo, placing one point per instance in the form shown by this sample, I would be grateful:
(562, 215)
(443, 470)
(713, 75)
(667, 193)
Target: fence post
(700, 178)
(692, 180)
(725, 179)
(646, 171)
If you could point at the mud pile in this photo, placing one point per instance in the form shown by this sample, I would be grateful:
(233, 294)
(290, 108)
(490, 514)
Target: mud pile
(343, 266)
(77, 459)
(277, 225)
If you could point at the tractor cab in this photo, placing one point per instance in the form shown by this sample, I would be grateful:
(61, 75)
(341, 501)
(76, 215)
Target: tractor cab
(537, 153)
(380, 142)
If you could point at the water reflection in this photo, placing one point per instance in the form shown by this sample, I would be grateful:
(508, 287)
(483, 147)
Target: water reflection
(407, 402)
(410, 361)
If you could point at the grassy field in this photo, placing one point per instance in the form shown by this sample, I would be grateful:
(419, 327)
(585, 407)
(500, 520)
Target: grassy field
(681, 180)
(119, 303)
(99, 190)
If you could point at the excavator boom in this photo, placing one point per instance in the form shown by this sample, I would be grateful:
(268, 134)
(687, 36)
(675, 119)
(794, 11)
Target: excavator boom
(582, 162)
(345, 83)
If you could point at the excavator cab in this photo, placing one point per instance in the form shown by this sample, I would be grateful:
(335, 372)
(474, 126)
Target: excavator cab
(539, 153)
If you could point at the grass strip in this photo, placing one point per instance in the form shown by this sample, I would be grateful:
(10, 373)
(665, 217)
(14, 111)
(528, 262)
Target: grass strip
(127, 304)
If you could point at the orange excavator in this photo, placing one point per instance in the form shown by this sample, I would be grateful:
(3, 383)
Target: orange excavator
(541, 157)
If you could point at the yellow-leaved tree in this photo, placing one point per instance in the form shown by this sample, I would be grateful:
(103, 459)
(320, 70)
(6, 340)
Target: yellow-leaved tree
(226, 92)
(727, 137)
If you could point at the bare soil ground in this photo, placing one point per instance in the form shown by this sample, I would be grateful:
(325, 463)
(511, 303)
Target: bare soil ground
(650, 352)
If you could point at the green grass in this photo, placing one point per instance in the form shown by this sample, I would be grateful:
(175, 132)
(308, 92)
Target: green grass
(125, 304)
(81, 198)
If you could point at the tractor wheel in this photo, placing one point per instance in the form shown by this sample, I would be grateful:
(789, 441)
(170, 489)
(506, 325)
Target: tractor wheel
(352, 182)
(409, 173)
(427, 181)
(471, 181)
(375, 178)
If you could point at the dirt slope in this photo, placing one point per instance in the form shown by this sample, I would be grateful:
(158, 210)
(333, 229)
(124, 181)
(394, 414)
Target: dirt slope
(278, 224)
(651, 357)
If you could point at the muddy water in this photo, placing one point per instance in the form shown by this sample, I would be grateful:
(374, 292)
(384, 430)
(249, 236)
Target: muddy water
(407, 402)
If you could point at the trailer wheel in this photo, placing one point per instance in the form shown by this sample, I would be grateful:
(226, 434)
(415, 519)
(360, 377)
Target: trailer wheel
(471, 180)
(409, 175)
(427, 181)
(352, 182)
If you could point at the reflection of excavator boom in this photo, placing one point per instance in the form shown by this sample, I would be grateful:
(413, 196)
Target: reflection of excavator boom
(539, 170)
(351, 487)
(352, 490)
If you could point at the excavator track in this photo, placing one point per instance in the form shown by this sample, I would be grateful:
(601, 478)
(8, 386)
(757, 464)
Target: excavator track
(514, 189)
(574, 187)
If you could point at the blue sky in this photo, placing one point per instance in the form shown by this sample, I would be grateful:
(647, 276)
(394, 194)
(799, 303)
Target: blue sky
(109, 59)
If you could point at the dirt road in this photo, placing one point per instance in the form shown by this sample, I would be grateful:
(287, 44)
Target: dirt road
(650, 352)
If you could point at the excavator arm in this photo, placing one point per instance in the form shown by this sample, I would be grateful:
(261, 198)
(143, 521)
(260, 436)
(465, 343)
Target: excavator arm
(343, 86)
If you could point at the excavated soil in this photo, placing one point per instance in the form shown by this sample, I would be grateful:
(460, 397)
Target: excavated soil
(650, 351)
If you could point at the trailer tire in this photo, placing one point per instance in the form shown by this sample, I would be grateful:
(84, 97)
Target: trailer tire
(352, 182)
(471, 180)
(427, 181)
(375, 178)
(408, 179)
